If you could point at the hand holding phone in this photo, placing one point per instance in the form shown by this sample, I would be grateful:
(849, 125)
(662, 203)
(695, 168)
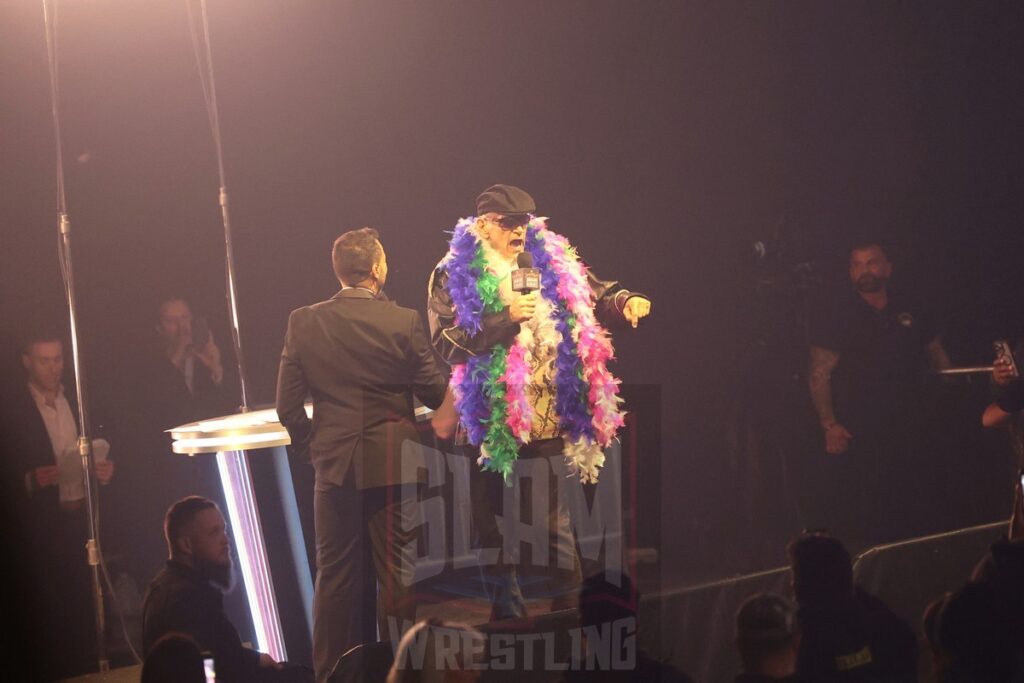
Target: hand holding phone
(1004, 368)
(200, 334)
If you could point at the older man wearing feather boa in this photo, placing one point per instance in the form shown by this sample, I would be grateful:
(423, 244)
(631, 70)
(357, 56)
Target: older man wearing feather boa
(529, 371)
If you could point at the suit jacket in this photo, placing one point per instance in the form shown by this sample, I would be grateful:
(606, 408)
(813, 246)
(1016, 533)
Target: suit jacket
(28, 446)
(362, 359)
(167, 401)
(47, 543)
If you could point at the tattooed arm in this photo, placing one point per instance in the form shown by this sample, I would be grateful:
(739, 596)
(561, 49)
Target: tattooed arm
(823, 362)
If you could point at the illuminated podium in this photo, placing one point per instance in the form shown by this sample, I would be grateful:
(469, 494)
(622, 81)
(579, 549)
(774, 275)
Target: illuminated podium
(235, 439)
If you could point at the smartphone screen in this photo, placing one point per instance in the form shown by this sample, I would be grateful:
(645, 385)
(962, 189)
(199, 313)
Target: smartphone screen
(211, 674)
(200, 333)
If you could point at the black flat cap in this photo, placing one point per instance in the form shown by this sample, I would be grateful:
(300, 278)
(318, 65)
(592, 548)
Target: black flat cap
(766, 618)
(506, 200)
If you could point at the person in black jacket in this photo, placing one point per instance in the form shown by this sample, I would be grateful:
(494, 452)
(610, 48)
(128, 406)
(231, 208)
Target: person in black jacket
(363, 359)
(504, 228)
(179, 376)
(46, 491)
(1005, 411)
(848, 634)
(187, 596)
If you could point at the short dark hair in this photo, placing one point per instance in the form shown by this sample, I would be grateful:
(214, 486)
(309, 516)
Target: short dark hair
(168, 297)
(822, 568)
(354, 254)
(860, 245)
(604, 600)
(766, 625)
(38, 335)
(181, 514)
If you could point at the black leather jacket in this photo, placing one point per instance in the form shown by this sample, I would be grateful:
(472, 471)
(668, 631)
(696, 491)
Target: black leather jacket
(456, 344)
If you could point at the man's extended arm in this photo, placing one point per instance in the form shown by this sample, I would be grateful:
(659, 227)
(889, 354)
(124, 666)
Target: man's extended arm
(611, 300)
(823, 362)
(292, 389)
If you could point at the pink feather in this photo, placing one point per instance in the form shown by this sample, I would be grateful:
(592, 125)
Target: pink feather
(519, 416)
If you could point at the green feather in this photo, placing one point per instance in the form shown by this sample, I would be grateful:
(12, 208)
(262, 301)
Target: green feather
(486, 282)
(502, 446)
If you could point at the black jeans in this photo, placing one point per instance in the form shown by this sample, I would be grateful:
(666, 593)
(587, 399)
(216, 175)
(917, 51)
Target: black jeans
(530, 522)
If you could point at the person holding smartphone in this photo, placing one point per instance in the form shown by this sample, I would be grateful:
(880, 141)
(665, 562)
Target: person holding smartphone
(179, 375)
(1009, 402)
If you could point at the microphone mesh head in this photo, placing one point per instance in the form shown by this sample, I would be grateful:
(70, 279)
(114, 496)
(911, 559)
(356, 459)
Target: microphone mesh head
(524, 259)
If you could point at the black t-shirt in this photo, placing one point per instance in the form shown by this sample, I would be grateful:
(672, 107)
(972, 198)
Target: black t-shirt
(1011, 397)
(881, 355)
(859, 639)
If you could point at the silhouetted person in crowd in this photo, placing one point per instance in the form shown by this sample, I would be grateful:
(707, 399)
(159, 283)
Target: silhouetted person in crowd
(974, 636)
(46, 483)
(435, 651)
(608, 617)
(187, 596)
(1005, 411)
(847, 634)
(175, 658)
(1003, 566)
(768, 639)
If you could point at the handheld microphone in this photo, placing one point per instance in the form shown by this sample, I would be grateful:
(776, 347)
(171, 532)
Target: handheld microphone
(525, 278)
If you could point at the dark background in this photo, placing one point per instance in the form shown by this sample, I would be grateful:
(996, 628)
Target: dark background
(661, 137)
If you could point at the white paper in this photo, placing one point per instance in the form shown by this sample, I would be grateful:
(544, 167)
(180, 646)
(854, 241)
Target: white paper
(72, 478)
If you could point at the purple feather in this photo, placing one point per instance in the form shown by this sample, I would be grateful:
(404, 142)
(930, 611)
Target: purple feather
(469, 307)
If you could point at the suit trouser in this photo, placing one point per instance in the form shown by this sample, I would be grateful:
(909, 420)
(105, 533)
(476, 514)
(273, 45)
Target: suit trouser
(363, 545)
(536, 539)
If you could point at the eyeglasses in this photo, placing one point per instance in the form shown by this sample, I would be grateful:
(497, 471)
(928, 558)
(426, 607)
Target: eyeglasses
(512, 222)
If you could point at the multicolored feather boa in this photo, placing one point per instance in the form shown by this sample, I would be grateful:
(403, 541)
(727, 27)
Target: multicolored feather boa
(491, 389)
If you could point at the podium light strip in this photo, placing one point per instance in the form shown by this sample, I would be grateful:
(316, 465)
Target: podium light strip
(296, 538)
(252, 555)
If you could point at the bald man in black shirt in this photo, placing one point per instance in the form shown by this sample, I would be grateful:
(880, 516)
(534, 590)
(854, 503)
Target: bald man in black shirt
(869, 352)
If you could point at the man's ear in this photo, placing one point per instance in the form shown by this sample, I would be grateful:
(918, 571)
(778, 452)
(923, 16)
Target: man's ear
(26, 361)
(184, 545)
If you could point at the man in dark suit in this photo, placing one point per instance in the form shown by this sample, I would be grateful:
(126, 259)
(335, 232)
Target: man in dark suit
(362, 358)
(48, 502)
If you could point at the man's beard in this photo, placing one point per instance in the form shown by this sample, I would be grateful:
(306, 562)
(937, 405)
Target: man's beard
(220, 575)
(869, 284)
